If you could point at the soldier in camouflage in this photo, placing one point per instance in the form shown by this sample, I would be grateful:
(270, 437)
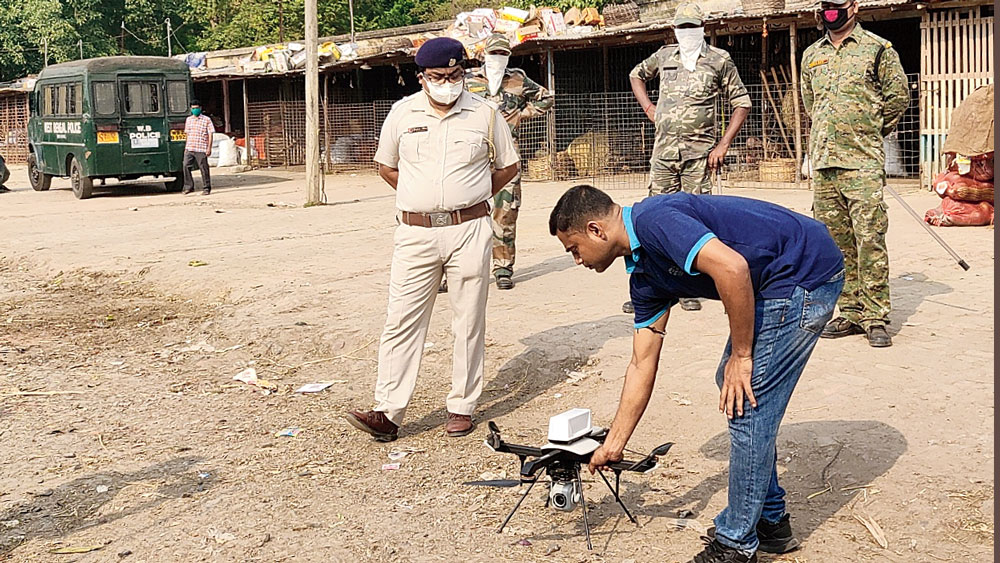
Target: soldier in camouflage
(519, 98)
(692, 75)
(855, 91)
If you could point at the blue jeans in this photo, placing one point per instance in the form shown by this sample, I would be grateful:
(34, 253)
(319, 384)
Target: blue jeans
(785, 333)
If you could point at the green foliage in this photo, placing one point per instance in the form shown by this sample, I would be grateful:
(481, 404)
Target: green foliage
(198, 24)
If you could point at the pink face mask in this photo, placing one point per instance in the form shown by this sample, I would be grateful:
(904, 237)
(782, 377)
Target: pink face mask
(831, 15)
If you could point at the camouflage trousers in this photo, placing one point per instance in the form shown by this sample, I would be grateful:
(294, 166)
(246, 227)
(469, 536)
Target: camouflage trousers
(672, 176)
(505, 206)
(850, 203)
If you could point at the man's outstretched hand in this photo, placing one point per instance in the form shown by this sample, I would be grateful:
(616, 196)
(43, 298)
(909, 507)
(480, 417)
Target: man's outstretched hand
(602, 456)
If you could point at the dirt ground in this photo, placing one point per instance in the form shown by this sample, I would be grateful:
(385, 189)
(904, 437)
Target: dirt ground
(124, 432)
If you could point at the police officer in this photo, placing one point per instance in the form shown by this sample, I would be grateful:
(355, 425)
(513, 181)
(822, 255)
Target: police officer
(519, 98)
(855, 91)
(446, 153)
(692, 75)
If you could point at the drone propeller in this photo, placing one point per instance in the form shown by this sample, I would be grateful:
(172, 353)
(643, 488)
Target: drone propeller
(503, 483)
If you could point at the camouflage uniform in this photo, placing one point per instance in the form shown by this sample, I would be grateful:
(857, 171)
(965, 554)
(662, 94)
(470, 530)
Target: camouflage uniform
(519, 98)
(685, 115)
(853, 106)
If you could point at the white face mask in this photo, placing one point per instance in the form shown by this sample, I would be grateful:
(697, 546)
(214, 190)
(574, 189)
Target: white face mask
(494, 67)
(445, 93)
(691, 41)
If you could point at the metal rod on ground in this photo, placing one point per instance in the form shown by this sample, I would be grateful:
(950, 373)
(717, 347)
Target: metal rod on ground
(944, 245)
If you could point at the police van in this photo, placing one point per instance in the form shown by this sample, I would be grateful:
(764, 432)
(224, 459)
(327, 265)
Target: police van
(110, 117)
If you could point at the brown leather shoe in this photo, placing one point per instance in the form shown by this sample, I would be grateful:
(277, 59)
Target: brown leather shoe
(840, 327)
(459, 425)
(374, 423)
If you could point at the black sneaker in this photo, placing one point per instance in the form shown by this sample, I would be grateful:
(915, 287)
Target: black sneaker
(776, 538)
(773, 538)
(504, 282)
(443, 288)
(690, 305)
(715, 552)
(628, 308)
(878, 337)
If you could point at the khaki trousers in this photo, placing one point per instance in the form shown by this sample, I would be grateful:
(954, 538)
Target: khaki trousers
(420, 256)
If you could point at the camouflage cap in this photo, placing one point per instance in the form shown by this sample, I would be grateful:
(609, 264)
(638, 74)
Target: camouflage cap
(497, 43)
(688, 13)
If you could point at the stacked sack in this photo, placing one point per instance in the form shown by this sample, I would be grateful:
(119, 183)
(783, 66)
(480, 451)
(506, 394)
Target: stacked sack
(966, 187)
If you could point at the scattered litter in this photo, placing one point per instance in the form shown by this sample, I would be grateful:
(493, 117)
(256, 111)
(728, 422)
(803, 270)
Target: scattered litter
(204, 475)
(396, 456)
(301, 323)
(288, 433)
(314, 387)
(684, 513)
(196, 263)
(574, 377)
(249, 376)
(908, 278)
(390, 466)
(873, 528)
(220, 211)
(124, 554)
(103, 489)
(280, 204)
(76, 549)
(558, 395)
(523, 542)
(428, 345)
(552, 549)
(133, 209)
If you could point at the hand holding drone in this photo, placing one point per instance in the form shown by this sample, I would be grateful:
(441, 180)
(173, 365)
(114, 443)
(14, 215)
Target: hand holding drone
(572, 440)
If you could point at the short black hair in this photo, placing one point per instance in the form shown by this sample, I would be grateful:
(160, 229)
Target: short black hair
(195, 102)
(577, 206)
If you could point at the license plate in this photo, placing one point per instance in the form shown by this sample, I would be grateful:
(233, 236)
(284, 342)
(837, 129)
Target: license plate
(177, 135)
(107, 136)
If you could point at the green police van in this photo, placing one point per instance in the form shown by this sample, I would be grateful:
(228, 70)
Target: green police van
(111, 117)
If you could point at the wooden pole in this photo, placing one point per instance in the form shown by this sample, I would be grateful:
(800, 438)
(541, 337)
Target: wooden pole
(314, 195)
(793, 38)
(326, 123)
(774, 107)
(247, 140)
(550, 116)
(225, 104)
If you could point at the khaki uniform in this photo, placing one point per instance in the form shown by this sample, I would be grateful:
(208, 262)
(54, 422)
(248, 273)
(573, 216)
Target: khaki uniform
(519, 98)
(853, 106)
(685, 115)
(443, 165)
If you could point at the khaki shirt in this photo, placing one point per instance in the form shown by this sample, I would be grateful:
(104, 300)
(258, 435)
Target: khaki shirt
(443, 162)
(685, 107)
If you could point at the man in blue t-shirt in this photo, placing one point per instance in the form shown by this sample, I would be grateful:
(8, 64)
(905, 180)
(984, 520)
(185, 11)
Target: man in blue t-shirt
(777, 272)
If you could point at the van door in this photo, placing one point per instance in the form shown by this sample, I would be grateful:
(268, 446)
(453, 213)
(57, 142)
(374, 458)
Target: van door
(144, 136)
(104, 112)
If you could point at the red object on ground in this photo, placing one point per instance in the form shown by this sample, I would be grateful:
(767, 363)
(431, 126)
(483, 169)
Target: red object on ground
(953, 213)
(963, 188)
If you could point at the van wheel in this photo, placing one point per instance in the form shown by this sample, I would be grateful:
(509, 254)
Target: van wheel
(83, 187)
(176, 184)
(39, 182)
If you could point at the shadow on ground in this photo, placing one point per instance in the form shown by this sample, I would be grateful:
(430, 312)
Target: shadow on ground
(80, 504)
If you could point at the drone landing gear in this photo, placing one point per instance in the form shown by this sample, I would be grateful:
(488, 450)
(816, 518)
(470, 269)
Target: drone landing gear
(583, 501)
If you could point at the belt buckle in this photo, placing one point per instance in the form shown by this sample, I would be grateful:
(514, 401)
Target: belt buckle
(441, 219)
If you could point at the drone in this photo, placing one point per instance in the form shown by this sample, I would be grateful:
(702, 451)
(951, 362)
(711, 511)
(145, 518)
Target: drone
(572, 440)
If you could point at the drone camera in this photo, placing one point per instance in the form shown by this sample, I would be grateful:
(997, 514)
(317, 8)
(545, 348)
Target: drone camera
(564, 495)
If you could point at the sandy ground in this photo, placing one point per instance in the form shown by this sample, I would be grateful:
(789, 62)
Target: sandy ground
(145, 449)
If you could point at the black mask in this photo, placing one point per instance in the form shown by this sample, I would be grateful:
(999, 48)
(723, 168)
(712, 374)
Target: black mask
(837, 22)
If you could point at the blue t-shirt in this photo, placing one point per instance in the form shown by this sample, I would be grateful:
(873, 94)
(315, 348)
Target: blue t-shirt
(782, 248)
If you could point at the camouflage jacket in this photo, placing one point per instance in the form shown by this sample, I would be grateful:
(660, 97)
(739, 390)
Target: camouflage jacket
(685, 110)
(852, 107)
(519, 97)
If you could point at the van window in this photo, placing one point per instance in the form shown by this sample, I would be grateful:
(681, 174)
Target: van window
(48, 95)
(74, 99)
(141, 97)
(177, 96)
(104, 98)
